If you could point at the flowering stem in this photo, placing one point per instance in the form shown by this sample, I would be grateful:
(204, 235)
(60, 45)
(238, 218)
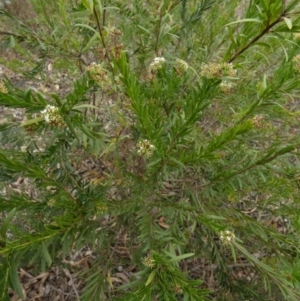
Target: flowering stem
(103, 42)
(266, 30)
(100, 31)
(262, 161)
(158, 33)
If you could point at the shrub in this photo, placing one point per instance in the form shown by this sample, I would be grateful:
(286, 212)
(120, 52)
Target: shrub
(177, 143)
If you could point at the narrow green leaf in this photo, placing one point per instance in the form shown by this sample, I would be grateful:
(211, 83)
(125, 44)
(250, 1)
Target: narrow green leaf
(177, 162)
(32, 121)
(288, 22)
(100, 6)
(87, 131)
(89, 4)
(6, 222)
(12, 42)
(70, 125)
(285, 52)
(151, 277)
(180, 257)
(87, 27)
(46, 254)
(14, 279)
(217, 217)
(91, 42)
(86, 106)
(244, 21)
(144, 29)
(285, 150)
(4, 275)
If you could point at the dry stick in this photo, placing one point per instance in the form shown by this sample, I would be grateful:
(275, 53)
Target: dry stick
(68, 274)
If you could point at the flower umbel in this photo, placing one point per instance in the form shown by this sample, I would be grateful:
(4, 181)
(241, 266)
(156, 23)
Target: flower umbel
(157, 63)
(52, 116)
(149, 261)
(145, 148)
(99, 75)
(227, 236)
(297, 35)
(296, 61)
(214, 70)
(182, 65)
(3, 89)
(101, 208)
(51, 202)
(226, 87)
(177, 288)
(258, 121)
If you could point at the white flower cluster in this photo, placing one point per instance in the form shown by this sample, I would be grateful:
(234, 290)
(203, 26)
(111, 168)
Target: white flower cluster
(145, 148)
(226, 87)
(51, 202)
(182, 65)
(97, 72)
(297, 36)
(99, 75)
(258, 121)
(177, 288)
(215, 70)
(52, 116)
(149, 261)
(157, 63)
(296, 61)
(3, 89)
(227, 236)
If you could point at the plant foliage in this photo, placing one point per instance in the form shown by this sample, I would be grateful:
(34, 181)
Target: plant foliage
(175, 138)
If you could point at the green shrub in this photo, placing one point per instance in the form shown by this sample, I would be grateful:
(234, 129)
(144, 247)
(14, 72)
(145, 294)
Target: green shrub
(185, 114)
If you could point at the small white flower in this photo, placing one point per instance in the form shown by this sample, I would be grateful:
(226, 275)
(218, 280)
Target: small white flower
(51, 203)
(258, 121)
(99, 75)
(183, 65)
(145, 148)
(226, 87)
(296, 61)
(217, 70)
(3, 88)
(227, 236)
(149, 261)
(52, 116)
(157, 63)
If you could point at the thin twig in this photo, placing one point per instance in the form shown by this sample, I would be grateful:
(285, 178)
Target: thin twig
(266, 30)
(103, 43)
(68, 274)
